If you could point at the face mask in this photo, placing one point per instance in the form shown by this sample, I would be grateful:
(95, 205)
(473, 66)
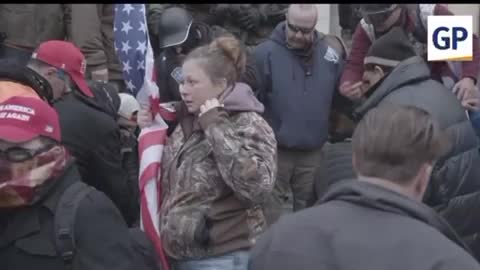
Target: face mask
(24, 183)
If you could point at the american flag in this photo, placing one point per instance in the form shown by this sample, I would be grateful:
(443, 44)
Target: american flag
(135, 53)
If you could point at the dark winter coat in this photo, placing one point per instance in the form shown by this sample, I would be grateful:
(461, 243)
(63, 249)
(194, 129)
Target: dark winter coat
(93, 137)
(101, 236)
(362, 226)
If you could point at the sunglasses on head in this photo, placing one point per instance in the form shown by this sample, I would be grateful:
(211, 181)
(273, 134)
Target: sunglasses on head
(297, 29)
(19, 154)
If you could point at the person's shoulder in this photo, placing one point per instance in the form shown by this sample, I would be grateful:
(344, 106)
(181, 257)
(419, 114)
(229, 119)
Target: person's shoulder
(444, 253)
(264, 47)
(250, 119)
(308, 220)
(337, 44)
(96, 205)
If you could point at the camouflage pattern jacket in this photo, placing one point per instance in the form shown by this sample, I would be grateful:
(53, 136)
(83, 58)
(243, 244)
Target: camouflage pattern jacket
(217, 170)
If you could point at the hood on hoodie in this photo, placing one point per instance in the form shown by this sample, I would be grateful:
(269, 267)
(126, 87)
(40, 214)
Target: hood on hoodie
(409, 71)
(242, 99)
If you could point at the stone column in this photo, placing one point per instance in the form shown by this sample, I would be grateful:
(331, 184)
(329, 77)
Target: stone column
(324, 15)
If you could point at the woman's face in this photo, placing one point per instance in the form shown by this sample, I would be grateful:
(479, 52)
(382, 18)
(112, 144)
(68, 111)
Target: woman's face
(197, 87)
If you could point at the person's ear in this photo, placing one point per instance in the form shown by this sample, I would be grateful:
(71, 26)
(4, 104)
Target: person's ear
(222, 84)
(354, 163)
(379, 70)
(50, 71)
(423, 178)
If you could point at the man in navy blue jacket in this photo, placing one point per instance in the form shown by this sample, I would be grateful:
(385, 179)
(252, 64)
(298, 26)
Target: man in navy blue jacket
(298, 73)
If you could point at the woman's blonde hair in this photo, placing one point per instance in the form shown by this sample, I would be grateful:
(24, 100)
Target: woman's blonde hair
(223, 58)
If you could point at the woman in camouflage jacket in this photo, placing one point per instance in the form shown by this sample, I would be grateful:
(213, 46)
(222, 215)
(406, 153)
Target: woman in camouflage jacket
(218, 165)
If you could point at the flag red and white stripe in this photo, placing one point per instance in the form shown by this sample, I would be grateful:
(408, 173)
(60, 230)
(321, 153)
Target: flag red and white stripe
(134, 51)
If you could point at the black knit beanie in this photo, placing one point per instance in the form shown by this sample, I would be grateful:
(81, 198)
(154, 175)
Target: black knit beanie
(390, 49)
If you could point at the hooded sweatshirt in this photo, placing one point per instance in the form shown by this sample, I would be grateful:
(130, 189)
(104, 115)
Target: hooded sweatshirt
(216, 171)
(296, 87)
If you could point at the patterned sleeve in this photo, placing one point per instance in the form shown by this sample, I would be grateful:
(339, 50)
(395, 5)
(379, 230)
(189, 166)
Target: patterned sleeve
(245, 152)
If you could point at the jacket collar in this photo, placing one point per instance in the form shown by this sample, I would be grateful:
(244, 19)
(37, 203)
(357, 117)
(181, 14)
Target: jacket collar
(376, 197)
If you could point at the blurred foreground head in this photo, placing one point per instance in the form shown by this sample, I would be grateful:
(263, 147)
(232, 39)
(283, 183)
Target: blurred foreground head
(398, 144)
(31, 156)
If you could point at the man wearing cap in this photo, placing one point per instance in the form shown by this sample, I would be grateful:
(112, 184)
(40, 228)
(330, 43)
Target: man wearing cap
(127, 120)
(395, 74)
(90, 134)
(378, 19)
(36, 175)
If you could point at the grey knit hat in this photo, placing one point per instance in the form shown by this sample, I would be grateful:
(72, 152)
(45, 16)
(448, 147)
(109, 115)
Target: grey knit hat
(390, 49)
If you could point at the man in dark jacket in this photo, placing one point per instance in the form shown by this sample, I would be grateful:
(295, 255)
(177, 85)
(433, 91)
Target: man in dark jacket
(378, 19)
(36, 174)
(298, 72)
(376, 222)
(90, 134)
(393, 73)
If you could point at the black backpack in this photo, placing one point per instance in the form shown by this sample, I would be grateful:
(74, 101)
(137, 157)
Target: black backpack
(64, 223)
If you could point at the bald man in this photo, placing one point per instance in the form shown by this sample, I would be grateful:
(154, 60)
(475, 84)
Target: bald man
(298, 70)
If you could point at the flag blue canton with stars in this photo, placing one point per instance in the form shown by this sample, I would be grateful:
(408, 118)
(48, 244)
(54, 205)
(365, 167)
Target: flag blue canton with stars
(131, 37)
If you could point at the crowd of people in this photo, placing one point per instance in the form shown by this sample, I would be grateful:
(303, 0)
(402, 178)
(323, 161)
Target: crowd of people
(289, 149)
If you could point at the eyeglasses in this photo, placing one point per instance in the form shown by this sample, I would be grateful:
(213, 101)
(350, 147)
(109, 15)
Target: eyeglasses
(19, 154)
(297, 29)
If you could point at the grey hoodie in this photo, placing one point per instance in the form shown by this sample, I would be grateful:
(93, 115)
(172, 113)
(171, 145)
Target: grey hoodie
(242, 99)
(239, 99)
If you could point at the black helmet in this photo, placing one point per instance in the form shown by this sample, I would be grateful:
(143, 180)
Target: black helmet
(12, 70)
(173, 27)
